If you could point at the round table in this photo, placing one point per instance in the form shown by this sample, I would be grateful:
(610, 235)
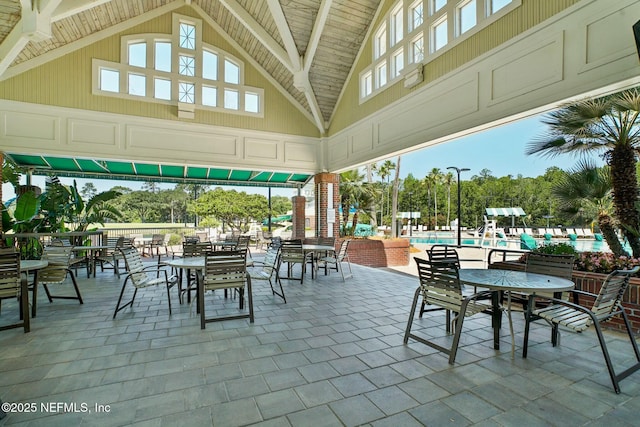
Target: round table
(32, 264)
(507, 281)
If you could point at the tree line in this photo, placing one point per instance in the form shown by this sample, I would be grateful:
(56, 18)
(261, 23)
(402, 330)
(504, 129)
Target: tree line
(583, 196)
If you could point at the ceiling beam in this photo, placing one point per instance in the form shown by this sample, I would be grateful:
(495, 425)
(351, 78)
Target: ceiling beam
(34, 24)
(69, 8)
(258, 31)
(316, 32)
(285, 33)
(300, 75)
(209, 20)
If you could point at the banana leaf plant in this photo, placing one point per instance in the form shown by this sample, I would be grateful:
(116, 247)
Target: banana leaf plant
(59, 208)
(23, 216)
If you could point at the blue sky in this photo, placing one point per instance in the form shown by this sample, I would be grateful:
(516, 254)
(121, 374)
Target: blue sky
(500, 149)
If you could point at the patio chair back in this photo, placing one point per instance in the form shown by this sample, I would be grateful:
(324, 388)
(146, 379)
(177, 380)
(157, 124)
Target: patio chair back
(56, 272)
(140, 276)
(553, 265)
(334, 260)
(225, 270)
(267, 269)
(327, 241)
(607, 304)
(12, 285)
(276, 242)
(243, 243)
(443, 253)
(292, 253)
(9, 273)
(191, 249)
(440, 287)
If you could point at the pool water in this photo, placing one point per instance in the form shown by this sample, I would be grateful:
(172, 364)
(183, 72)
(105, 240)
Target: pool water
(586, 245)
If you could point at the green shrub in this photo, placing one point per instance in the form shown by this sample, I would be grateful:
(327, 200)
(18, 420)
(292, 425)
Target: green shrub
(556, 249)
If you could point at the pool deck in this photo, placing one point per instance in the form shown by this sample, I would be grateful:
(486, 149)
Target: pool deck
(333, 355)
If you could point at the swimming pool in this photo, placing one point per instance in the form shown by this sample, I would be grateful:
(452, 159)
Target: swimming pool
(581, 245)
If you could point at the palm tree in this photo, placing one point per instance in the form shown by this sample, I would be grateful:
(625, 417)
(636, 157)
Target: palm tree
(586, 191)
(609, 126)
(356, 193)
(434, 178)
(394, 202)
(384, 172)
(448, 179)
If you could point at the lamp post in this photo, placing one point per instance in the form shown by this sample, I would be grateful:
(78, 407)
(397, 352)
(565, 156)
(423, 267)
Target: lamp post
(458, 170)
(410, 214)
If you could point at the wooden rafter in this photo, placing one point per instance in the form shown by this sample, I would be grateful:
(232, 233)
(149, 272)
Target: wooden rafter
(300, 75)
(258, 32)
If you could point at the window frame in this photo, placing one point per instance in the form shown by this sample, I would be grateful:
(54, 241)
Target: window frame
(194, 79)
(384, 45)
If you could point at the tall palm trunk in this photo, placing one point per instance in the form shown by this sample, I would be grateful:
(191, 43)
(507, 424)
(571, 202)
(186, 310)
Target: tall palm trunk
(449, 205)
(373, 208)
(609, 233)
(435, 208)
(625, 190)
(394, 201)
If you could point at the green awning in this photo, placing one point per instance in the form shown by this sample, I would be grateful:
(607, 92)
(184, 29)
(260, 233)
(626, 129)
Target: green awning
(156, 172)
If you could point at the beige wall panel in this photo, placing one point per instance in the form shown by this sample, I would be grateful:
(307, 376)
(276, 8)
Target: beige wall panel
(261, 149)
(361, 141)
(93, 133)
(32, 128)
(39, 129)
(165, 142)
(533, 68)
(599, 47)
(338, 150)
(300, 153)
(446, 103)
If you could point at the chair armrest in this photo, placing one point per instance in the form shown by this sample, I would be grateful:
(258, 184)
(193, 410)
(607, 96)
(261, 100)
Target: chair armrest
(559, 301)
(479, 295)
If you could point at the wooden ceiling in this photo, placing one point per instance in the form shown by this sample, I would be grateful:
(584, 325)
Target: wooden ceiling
(307, 46)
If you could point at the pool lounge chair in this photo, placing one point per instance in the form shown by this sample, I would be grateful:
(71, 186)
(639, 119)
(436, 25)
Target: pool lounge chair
(556, 232)
(527, 242)
(580, 232)
(588, 233)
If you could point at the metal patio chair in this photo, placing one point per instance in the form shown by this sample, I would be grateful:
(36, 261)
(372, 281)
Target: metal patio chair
(267, 269)
(140, 277)
(225, 270)
(440, 287)
(13, 285)
(55, 273)
(334, 260)
(606, 305)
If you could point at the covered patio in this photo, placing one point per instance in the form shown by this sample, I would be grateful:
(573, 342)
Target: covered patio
(332, 355)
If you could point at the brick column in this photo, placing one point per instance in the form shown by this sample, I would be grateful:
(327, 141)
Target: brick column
(327, 202)
(297, 217)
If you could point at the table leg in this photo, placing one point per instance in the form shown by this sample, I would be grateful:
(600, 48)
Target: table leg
(496, 318)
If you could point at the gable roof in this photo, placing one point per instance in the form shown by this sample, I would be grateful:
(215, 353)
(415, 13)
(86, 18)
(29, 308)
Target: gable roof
(307, 46)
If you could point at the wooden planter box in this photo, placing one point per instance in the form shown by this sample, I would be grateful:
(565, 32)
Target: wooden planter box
(592, 282)
(379, 252)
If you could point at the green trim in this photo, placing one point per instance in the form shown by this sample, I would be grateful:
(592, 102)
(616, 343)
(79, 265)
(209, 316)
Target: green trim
(156, 172)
